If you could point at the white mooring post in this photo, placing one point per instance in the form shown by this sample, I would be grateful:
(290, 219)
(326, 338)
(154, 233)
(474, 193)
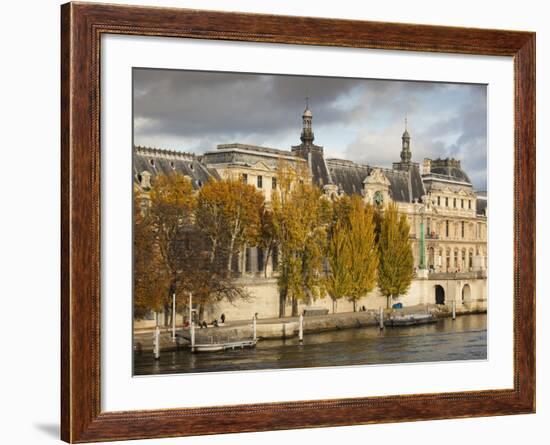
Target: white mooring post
(192, 328)
(156, 343)
(381, 317)
(454, 309)
(174, 317)
(254, 328)
(301, 329)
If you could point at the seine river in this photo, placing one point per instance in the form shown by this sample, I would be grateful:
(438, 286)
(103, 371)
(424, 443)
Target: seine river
(462, 339)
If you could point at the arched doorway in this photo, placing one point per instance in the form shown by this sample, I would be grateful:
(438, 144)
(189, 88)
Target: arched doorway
(466, 293)
(439, 294)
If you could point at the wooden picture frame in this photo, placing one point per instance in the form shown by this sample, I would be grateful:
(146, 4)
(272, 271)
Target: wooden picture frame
(82, 26)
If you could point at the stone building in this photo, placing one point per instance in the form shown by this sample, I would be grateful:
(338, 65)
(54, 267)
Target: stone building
(448, 219)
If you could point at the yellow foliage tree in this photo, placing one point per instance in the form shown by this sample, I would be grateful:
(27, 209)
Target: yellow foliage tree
(170, 215)
(228, 212)
(395, 268)
(339, 278)
(299, 221)
(363, 249)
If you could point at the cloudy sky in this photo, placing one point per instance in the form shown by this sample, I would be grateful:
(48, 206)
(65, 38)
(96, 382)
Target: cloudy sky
(357, 119)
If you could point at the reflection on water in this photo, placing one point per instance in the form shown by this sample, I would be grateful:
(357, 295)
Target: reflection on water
(462, 339)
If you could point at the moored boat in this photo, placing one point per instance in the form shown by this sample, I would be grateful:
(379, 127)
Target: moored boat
(411, 319)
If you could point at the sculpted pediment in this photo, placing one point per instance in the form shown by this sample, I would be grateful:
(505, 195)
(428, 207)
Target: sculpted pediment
(377, 177)
(260, 165)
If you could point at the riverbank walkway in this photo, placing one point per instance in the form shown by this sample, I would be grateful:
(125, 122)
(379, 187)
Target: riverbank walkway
(283, 328)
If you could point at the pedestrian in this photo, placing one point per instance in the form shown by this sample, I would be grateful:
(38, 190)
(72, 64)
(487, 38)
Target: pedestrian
(222, 318)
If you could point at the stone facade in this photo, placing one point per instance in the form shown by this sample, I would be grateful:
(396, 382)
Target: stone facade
(448, 219)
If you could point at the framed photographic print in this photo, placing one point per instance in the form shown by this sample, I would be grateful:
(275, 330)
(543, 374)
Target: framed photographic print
(275, 222)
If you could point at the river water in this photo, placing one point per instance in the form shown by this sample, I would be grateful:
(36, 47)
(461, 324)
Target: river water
(462, 339)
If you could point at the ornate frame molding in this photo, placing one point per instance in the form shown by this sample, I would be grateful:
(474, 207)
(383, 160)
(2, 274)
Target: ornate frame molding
(82, 26)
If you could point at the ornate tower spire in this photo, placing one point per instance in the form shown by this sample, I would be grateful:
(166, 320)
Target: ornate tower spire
(406, 145)
(307, 136)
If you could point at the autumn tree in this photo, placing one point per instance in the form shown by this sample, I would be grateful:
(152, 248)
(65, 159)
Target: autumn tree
(395, 268)
(352, 253)
(299, 222)
(228, 212)
(363, 249)
(267, 236)
(170, 217)
(339, 278)
(151, 278)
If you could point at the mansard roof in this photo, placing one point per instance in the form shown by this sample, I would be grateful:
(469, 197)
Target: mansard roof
(448, 169)
(405, 185)
(156, 161)
(348, 175)
(319, 169)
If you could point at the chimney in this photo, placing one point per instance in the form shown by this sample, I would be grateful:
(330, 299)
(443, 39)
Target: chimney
(426, 166)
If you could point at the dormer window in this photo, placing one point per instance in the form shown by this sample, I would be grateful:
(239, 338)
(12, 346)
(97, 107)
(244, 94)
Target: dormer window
(191, 166)
(172, 165)
(152, 162)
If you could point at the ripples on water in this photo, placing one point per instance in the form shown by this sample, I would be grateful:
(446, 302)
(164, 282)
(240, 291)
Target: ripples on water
(462, 339)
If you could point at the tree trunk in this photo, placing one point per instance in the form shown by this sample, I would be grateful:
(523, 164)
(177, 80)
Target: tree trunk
(232, 245)
(266, 261)
(166, 315)
(282, 303)
(389, 301)
(171, 318)
(230, 254)
(354, 306)
(294, 307)
(333, 305)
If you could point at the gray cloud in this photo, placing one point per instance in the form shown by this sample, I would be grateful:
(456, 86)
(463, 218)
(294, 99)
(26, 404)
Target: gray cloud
(358, 119)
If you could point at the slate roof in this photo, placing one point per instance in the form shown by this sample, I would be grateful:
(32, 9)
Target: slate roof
(454, 173)
(348, 175)
(318, 168)
(166, 162)
(417, 185)
(449, 169)
(405, 186)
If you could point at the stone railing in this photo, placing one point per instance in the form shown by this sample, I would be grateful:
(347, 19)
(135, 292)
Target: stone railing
(458, 275)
